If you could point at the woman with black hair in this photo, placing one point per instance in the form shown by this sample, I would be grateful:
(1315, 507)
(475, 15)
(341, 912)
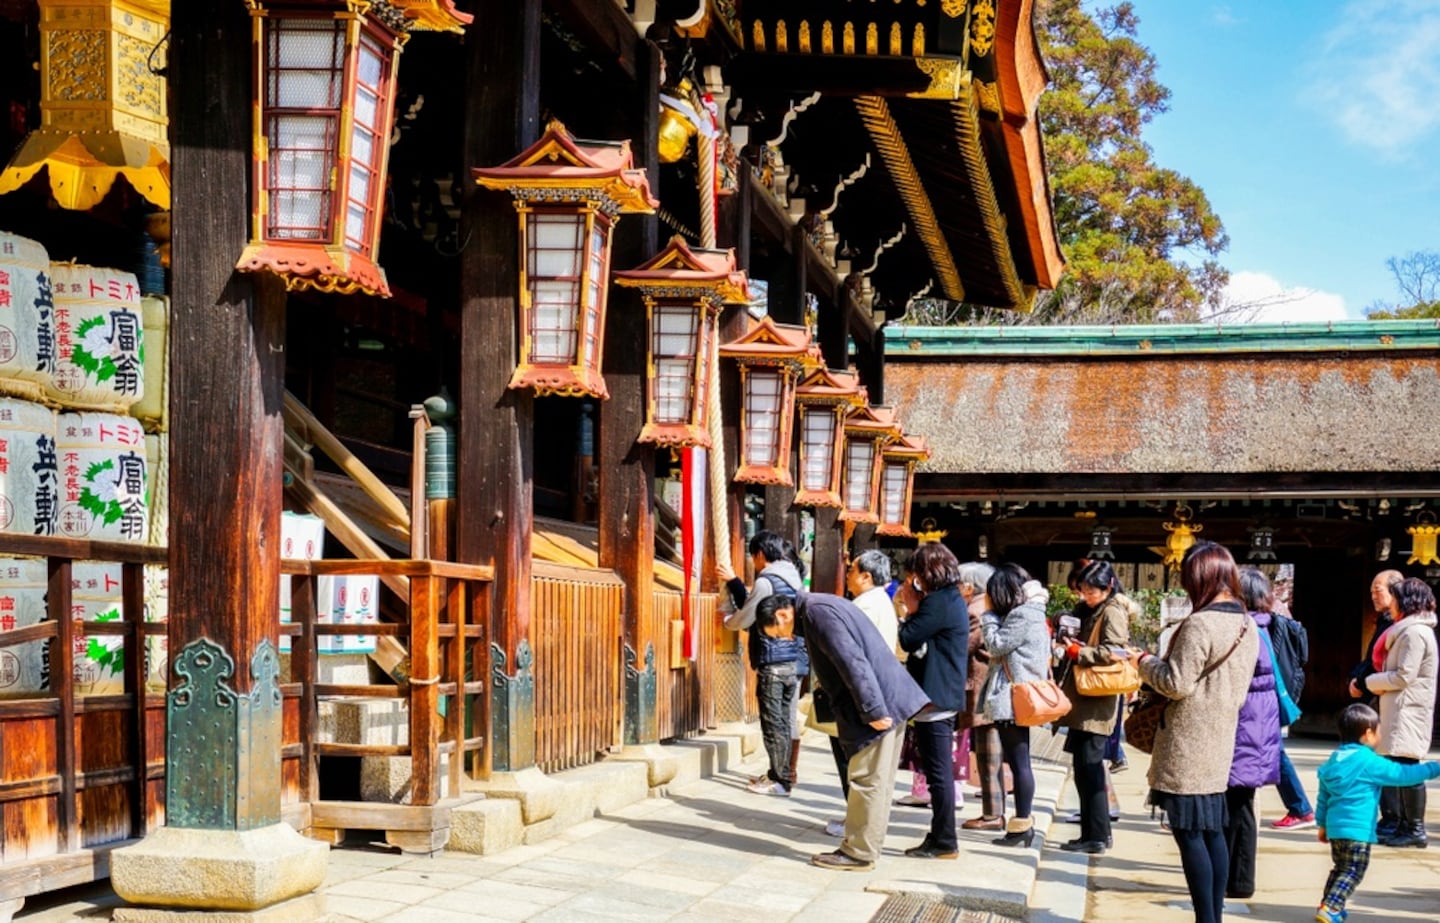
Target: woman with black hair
(1104, 614)
(1019, 644)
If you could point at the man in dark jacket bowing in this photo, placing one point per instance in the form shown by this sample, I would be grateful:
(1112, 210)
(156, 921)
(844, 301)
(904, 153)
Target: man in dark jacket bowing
(872, 697)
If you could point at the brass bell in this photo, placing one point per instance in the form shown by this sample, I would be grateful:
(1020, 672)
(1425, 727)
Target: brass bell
(677, 123)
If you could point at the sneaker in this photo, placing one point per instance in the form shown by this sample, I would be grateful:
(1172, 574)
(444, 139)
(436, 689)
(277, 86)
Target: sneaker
(835, 828)
(1295, 822)
(766, 787)
(1118, 766)
(1072, 818)
(841, 862)
(910, 801)
(1324, 914)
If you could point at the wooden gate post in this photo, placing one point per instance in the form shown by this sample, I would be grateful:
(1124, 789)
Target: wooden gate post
(495, 515)
(627, 467)
(224, 845)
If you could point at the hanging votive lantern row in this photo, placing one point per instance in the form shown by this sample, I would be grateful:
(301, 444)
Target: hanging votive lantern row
(326, 106)
(823, 400)
(683, 290)
(772, 357)
(568, 194)
(897, 483)
(867, 430)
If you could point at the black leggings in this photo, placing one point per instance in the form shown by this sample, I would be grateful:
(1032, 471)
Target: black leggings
(1015, 746)
(1206, 862)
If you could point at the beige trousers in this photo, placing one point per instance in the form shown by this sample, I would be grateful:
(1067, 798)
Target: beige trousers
(872, 787)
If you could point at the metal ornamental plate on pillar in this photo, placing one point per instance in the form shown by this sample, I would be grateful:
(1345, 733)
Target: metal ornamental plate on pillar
(513, 734)
(223, 748)
(641, 720)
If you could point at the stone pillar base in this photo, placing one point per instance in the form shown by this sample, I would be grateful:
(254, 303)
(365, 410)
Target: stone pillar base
(539, 795)
(307, 909)
(9, 908)
(660, 766)
(218, 870)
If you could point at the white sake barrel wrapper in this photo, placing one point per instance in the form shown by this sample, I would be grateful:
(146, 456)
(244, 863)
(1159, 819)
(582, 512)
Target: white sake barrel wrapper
(99, 659)
(27, 318)
(157, 609)
(99, 339)
(302, 537)
(29, 477)
(153, 408)
(24, 668)
(102, 477)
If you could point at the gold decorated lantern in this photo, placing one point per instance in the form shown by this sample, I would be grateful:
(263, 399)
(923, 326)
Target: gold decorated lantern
(325, 86)
(823, 400)
(102, 102)
(897, 483)
(1424, 535)
(683, 290)
(867, 431)
(771, 358)
(568, 195)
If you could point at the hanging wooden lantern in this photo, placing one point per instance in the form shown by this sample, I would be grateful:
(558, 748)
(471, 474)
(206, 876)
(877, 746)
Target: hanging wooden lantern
(867, 430)
(823, 400)
(102, 102)
(683, 290)
(897, 483)
(772, 358)
(325, 109)
(568, 195)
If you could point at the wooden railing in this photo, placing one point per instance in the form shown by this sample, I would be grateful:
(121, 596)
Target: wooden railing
(79, 774)
(448, 609)
(685, 702)
(579, 693)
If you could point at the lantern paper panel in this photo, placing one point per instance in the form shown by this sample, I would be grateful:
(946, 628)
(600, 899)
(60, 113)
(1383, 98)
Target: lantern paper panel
(102, 106)
(823, 400)
(772, 358)
(568, 194)
(897, 483)
(683, 290)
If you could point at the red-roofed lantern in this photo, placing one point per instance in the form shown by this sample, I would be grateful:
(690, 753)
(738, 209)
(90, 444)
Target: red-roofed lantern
(867, 431)
(568, 195)
(823, 400)
(325, 74)
(897, 483)
(771, 358)
(683, 289)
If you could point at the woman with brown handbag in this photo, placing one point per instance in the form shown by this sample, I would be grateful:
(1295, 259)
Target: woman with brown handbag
(1206, 675)
(1104, 614)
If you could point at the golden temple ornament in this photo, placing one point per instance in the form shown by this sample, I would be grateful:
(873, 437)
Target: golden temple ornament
(929, 533)
(1182, 536)
(1425, 534)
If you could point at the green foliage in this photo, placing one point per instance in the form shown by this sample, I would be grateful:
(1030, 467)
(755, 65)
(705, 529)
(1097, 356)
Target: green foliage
(1062, 599)
(1124, 222)
(1144, 631)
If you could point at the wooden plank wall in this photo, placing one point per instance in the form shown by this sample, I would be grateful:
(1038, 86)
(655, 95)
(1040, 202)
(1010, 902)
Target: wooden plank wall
(579, 693)
(684, 689)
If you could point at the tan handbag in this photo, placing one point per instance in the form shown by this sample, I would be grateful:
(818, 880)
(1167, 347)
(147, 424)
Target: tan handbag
(1120, 677)
(1038, 702)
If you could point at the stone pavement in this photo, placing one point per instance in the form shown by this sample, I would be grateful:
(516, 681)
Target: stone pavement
(1139, 881)
(709, 850)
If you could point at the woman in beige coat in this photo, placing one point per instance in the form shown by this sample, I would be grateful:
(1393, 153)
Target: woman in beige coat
(1405, 664)
(1206, 676)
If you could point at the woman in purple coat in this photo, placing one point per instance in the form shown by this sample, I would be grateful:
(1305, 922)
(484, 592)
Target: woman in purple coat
(1257, 747)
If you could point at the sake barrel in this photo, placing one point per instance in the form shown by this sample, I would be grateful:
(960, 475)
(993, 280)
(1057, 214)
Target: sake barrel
(29, 479)
(302, 537)
(99, 339)
(157, 609)
(24, 668)
(153, 408)
(99, 662)
(102, 477)
(27, 318)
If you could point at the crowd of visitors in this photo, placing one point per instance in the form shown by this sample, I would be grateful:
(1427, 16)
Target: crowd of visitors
(957, 662)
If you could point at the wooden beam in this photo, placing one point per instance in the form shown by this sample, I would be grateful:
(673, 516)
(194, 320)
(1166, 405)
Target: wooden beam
(603, 28)
(496, 437)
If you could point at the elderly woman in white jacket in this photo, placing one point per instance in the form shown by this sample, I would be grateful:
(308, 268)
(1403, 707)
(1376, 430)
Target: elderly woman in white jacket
(1405, 664)
(1019, 645)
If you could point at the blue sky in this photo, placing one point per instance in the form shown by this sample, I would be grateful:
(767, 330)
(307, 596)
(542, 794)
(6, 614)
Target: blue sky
(1314, 128)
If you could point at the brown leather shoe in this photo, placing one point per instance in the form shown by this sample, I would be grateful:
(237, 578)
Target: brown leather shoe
(840, 862)
(983, 823)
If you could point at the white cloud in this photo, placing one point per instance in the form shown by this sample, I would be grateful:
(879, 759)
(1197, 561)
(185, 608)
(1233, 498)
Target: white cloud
(1257, 298)
(1224, 16)
(1378, 74)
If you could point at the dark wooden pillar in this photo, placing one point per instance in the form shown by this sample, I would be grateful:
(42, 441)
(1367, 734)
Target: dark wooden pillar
(733, 232)
(627, 468)
(496, 433)
(226, 365)
(870, 362)
(787, 306)
(829, 559)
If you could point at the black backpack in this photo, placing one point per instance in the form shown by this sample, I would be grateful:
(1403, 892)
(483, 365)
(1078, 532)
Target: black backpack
(1292, 653)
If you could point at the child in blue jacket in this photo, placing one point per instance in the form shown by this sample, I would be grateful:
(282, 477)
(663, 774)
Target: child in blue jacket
(1350, 783)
